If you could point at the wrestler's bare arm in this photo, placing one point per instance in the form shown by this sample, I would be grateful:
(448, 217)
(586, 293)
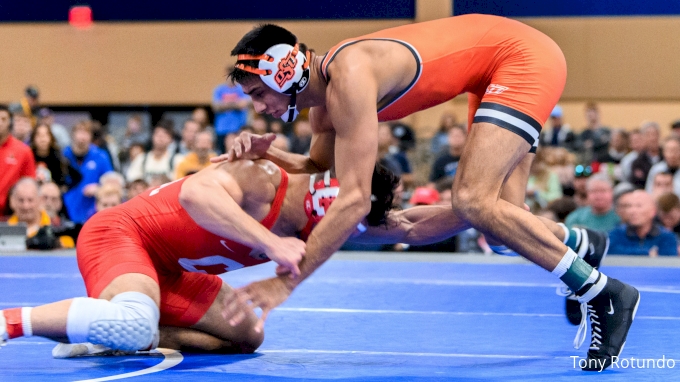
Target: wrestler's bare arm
(215, 200)
(419, 225)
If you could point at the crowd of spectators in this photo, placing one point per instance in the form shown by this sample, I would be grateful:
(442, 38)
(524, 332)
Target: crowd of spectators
(622, 181)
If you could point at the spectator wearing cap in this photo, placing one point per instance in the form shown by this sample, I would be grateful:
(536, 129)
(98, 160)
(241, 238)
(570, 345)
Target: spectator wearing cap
(16, 159)
(91, 163)
(157, 161)
(25, 202)
(62, 136)
(670, 164)
(558, 134)
(30, 103)
(199, 157)
(230, 105)
(446, 163)
(641, 235)
(641, 166)
(599, 215)
(424, 196)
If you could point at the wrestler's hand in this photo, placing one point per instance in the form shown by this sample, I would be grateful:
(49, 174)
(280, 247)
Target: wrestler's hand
(287, 252)
(266, 295)
(247, 146)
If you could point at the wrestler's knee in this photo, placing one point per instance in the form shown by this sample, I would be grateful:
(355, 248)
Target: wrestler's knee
(472, 203)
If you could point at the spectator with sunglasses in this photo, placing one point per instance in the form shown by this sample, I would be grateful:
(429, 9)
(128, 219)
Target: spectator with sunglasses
(581, 175)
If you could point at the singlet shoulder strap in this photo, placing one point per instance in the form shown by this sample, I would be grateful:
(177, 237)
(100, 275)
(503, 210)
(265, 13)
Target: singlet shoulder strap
(273, 214)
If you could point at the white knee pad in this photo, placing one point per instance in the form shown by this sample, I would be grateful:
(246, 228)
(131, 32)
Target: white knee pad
(503, 250)
(128, 322)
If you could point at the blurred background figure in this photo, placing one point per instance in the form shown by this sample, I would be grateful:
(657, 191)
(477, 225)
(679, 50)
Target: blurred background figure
(557, 134)
(636, 144)
(16, 159)
(669, 164)
(59, 131)
(30, 103)
(544, 184)
(136, 187)
(446, 164)
(668, 212)
(302, 137)
(199, 157)
(189, 130)
(108, 196)
(50, 163)
(641, 235)
(599, 214)
(91, 163)
(135, 133)
(158, 160)
(662, 184)
(594, 139)
(230, 106)
(25, 202)
(581, 175)
(21, 124)
(640, 167)
(440, 140)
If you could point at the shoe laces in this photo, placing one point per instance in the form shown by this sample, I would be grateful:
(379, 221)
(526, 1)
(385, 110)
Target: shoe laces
(595, 331)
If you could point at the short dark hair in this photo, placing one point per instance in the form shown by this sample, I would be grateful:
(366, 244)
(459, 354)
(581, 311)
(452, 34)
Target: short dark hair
(257, 41)
(667, 202)
(4, 107)
(383, 184)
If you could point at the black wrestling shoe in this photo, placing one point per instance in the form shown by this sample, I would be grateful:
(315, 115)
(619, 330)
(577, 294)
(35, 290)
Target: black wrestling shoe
(594, 245)
(611, 313)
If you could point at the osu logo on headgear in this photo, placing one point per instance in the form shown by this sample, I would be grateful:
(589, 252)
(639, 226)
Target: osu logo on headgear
(286, 69)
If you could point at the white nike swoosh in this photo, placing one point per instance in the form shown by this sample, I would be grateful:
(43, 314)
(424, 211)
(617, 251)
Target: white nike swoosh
(224, 243)
(611, 306)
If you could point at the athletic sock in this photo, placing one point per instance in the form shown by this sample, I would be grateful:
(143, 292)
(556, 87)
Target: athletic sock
(572, 237)
(18, 321)
(574, 271)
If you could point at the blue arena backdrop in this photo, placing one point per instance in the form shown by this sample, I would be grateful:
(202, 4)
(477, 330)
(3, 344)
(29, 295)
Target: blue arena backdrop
(202, 10)
(568, 8)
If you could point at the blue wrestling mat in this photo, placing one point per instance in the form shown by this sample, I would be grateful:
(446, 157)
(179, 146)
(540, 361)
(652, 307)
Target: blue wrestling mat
(378, 321)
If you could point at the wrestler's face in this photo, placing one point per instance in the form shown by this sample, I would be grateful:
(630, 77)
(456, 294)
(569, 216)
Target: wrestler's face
(265, 99)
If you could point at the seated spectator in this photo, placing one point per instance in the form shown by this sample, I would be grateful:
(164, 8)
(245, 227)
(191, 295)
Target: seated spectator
(189, 130)
(135, 151)
(446, 163)
(201, 116)
(30, 103)
(440, 140)
(21, 125)
(641, 235)
(558, 134)
(25, 201)
(636, 144)
(157, 161)
(50, 164)
(385, 141)
(640, 167)
(618, 148)
(543, 185)
(562, 163)
(108, 196)
(599, 215)
(403, 140)
(59, 131)
(106, 143)
(444, 186)
(622, 202)
(581, 175)
(134, 134)
(91, 163)
(16, 159)
(50, 196)
(113, 178)
(424, 196)
(260, 125)
(668, 212)
(136, 187)
(199, 158)
(302, 137)
(669, 164)
(561, 208)
(662, 184)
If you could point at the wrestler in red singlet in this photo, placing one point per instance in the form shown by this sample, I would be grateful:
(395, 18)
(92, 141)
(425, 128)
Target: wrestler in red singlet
(153, 235)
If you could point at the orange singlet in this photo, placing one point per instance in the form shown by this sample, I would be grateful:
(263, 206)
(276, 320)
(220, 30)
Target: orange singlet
(513, 73)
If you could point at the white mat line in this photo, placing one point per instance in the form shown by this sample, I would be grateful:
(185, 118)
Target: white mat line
(379, 311)
(40, 275)
(408, 354)
(171, 358)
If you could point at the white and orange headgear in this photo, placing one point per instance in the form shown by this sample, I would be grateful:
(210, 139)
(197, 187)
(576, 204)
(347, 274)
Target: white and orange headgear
(283, 68)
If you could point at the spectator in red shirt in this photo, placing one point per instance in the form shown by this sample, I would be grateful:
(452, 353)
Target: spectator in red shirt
(16, 159)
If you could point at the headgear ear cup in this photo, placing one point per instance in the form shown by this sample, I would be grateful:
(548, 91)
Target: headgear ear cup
(283, 68)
